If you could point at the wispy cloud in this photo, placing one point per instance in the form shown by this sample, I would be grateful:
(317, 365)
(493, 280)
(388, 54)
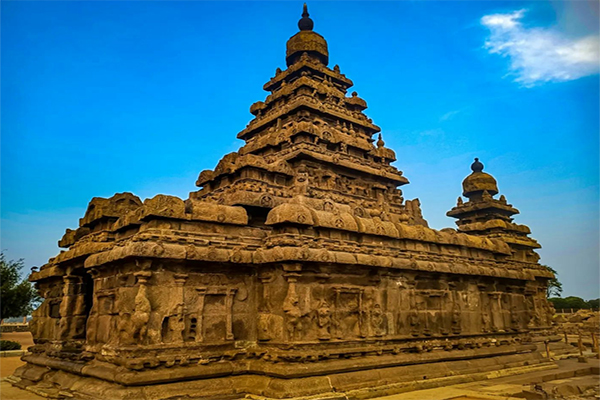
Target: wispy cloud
(449, 115)
(539, 55)
(436, 132)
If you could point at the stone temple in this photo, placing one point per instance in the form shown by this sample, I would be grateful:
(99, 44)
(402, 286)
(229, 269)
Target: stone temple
(297, 269)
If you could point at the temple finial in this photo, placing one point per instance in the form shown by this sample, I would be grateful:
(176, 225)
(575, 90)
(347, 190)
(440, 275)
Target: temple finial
(477, 166)
(305, 23)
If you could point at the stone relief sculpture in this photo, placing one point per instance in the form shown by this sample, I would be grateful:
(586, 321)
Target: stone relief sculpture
(142, 310)
(324, 321)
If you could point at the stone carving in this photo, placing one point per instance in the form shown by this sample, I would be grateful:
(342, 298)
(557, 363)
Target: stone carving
(173, 325)
(293, 314)
(456, 319)
(378, 324)
(298, 248)
(414, 319)
(324, 321)
(141, 314)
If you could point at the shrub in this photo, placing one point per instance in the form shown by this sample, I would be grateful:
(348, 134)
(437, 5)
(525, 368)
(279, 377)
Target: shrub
(9, 345)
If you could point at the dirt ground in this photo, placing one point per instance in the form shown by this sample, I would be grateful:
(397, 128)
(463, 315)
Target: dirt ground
(7, 367)
(24, 338)
(9, 364)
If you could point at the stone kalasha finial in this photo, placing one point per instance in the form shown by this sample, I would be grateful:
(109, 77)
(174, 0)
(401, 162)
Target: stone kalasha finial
(477, 166)
(306, 41)
(478, 181)
(380, 142)
(305, 23)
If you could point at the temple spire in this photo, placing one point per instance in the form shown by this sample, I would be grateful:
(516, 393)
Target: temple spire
(479, 182)
(306, 42)
(482, 215)
(477, 166)
(305, 23)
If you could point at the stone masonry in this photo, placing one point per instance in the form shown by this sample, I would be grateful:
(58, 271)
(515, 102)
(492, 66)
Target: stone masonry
(296, 269)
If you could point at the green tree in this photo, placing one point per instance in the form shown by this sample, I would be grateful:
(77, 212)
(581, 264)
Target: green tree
(558, 303)
(554, 286)
(576, 303)
(595, 303)
(17, 298)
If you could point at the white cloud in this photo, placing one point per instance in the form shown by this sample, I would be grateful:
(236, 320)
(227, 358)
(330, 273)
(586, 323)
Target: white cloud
(449, 115)
(539, 55)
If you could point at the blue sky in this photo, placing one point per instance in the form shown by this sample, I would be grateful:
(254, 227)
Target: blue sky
(106, 97)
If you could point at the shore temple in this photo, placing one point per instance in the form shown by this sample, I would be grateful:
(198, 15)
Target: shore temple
(296, 269)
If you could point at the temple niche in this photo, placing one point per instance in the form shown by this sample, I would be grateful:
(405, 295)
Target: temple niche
(297, 268)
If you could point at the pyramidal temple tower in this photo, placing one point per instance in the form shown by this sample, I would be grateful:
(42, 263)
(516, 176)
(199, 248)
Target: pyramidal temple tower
(311, 140)
(482, 215)
(297, 269)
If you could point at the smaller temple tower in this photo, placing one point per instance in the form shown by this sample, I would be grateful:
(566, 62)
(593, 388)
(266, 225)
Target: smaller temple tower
(483, 215)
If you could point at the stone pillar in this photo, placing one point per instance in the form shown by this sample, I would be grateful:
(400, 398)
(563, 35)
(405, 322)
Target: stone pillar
(496, 311)
(200, 314)
(229, 309)
(456, 312)
(531, 308)
(485, 309)
(92, 322)
(176, 320)
(594, 342)
(362, 324)
(265, 277)
(68, 305)
(337, 323)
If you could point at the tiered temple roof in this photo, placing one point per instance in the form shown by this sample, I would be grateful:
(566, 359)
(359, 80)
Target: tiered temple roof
(483, 215)
(309, 123)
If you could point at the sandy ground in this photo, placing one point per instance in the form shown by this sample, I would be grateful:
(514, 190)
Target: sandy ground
(24, 338)
(7, 391)
(8, 366)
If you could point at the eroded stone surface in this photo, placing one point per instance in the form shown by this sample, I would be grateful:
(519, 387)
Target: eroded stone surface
(297, 269)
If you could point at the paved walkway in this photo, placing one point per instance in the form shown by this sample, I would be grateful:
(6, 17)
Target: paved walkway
(569, 380)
